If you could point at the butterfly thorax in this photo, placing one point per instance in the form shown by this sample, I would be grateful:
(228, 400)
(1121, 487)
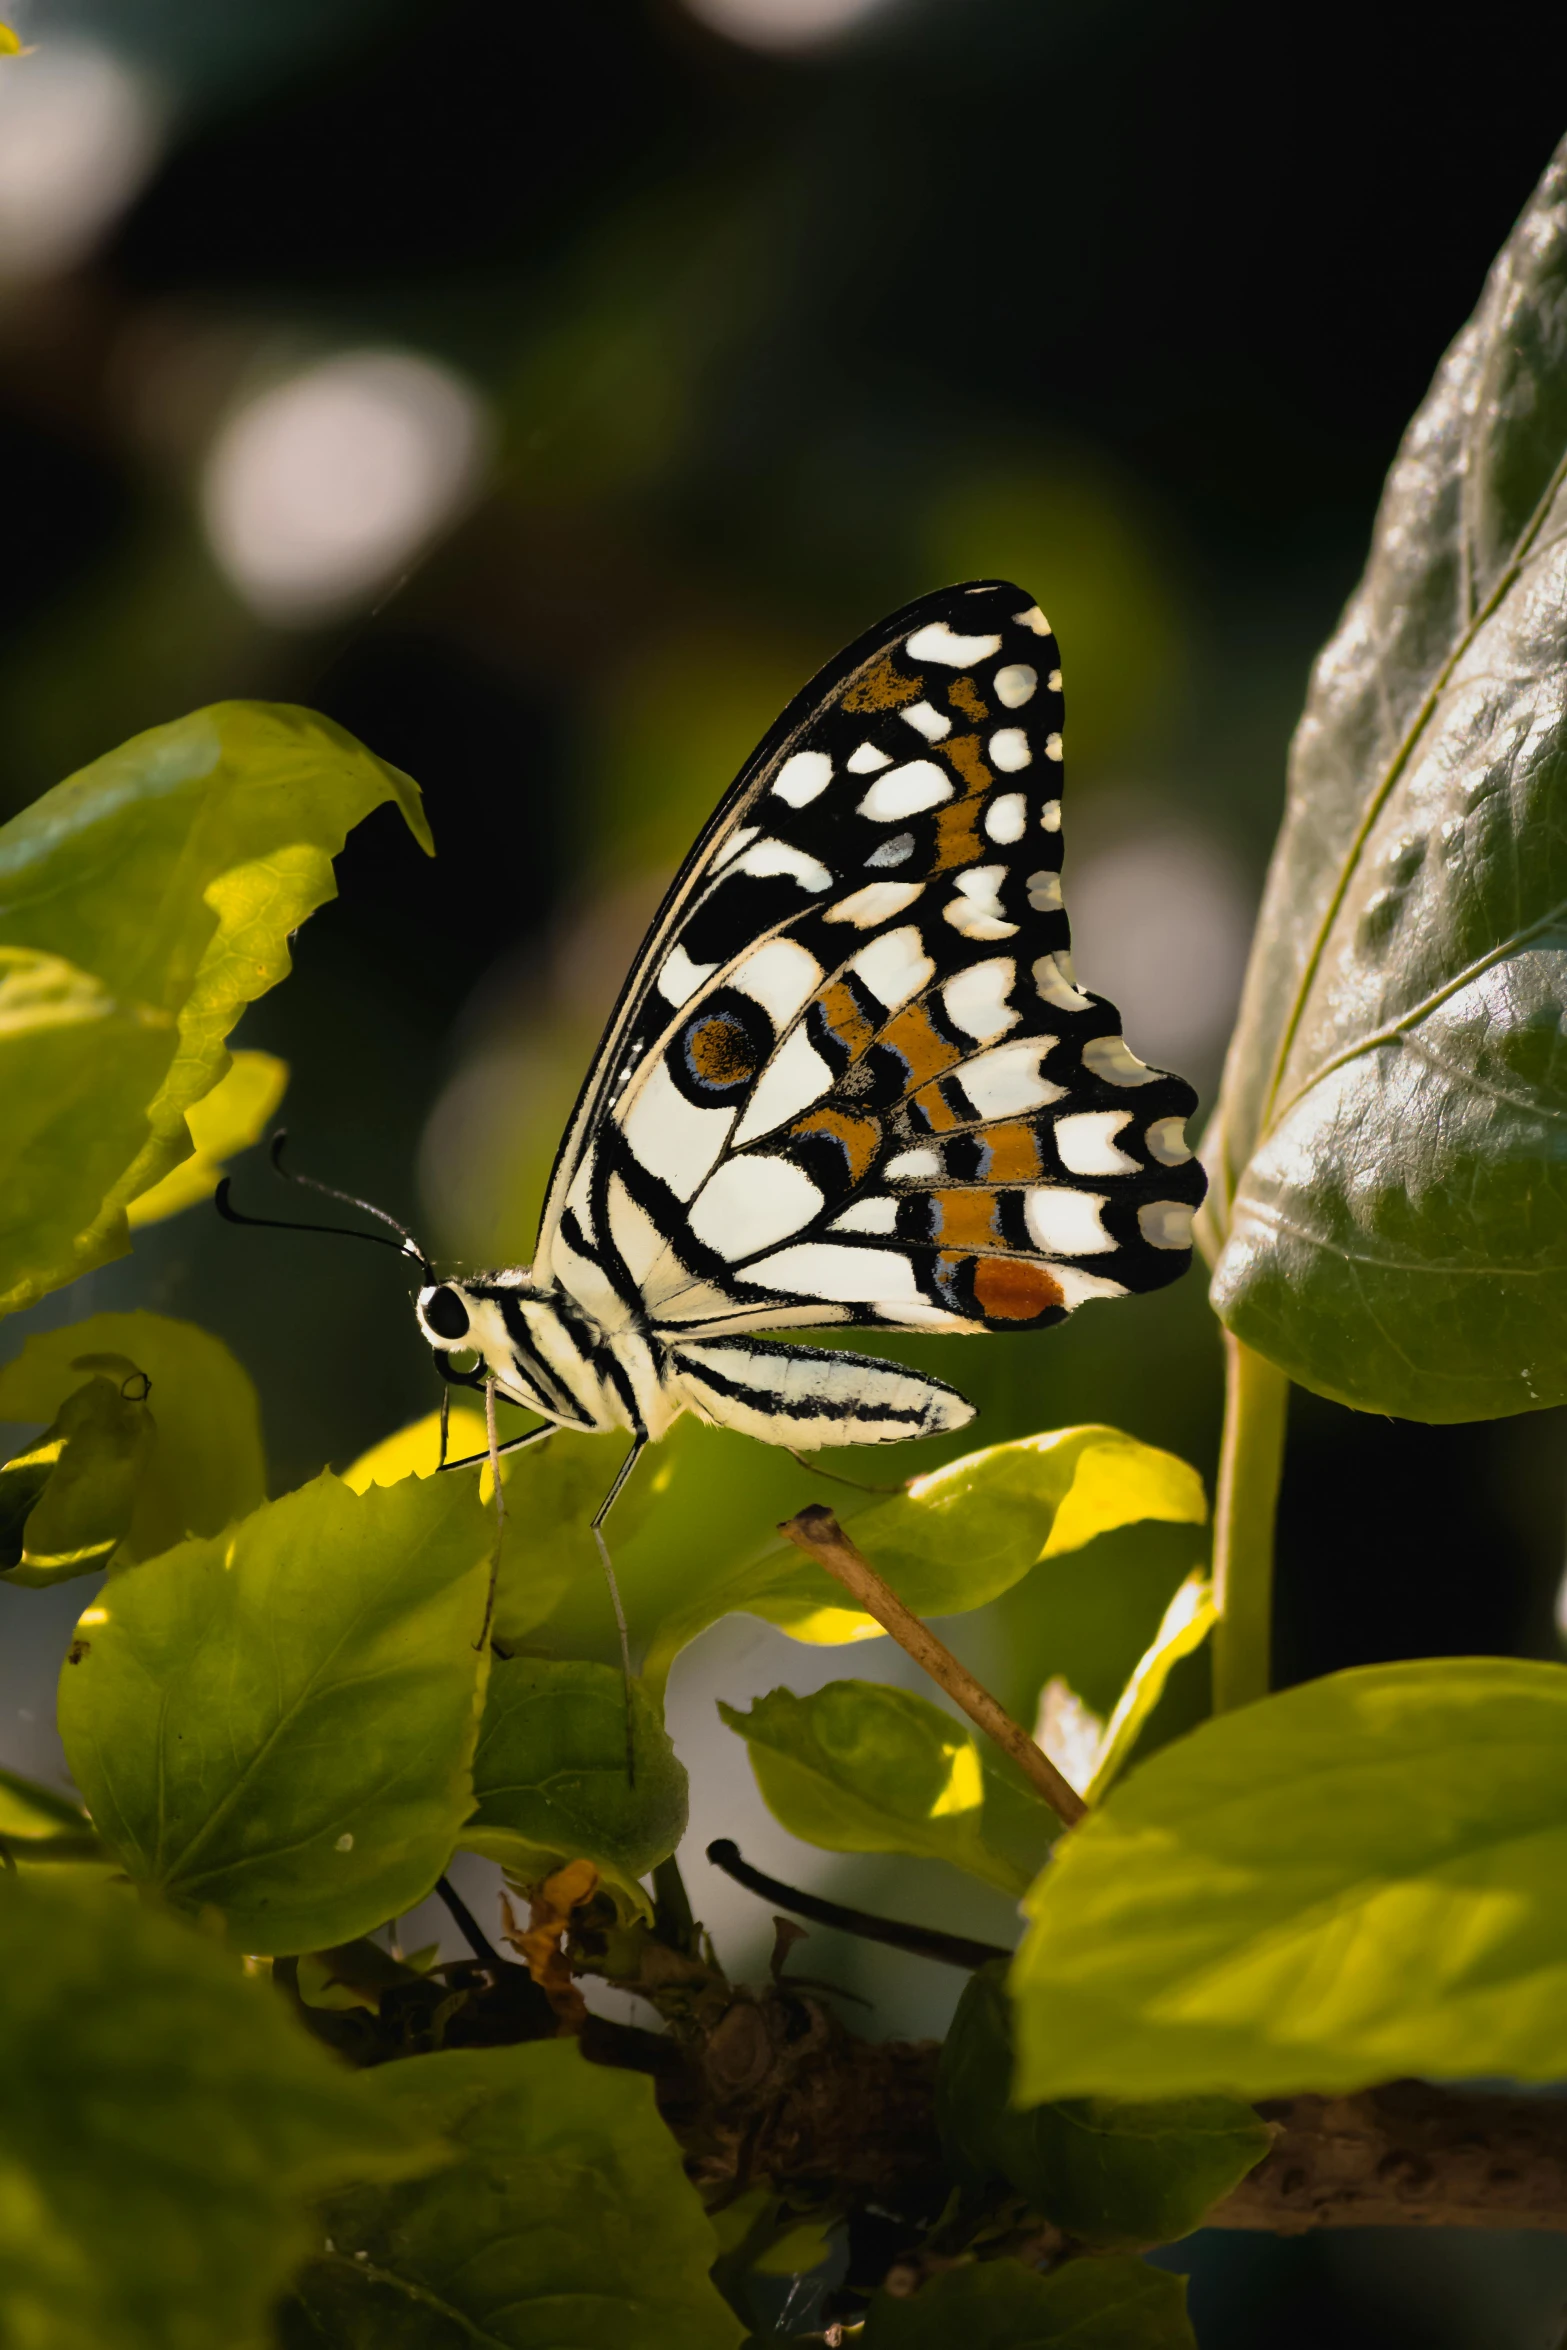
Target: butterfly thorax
(545, 1352)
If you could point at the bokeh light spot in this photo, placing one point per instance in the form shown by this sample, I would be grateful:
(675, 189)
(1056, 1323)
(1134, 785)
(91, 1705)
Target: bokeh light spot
(319, 491)
(80, 132)
(783, 24)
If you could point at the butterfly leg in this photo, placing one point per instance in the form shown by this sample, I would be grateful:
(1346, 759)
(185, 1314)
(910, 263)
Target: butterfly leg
(500, 1508)
(835, 1477)
(604, 1508)
(446, 1422)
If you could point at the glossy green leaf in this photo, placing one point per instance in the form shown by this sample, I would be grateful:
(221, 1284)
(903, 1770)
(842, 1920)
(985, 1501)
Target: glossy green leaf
(552, 1491)
(1364, 1877)
(954, 1540)
(278, 1724)
(146, 901)
(567, 2219)
(550, 1778)
(206, 1467)
(163, 2123)
(1107, 2170)
(236, 1113)
(66, 1503)
(1389, 1197)
(861, 1767)
(1110, 2303)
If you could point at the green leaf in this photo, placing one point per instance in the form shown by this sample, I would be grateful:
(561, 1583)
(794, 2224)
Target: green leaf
(1185, 1625)
(954, 1540)
(1109, 2303)
(164, 2121)
(1389, 1197)
(206, 1468)
(552, 1491)
(1361, 1878)
(1108, 2171)
(861, 1767)
(278, 1724)
(43, 1829)
(66, 1503)
(551, 1783)
(146, 901)
(567, 2218)
(236, 1113)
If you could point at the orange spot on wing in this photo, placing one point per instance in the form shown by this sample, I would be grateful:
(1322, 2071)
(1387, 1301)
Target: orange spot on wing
(845, 1019)
(964, 695)
(967, 1219)
(1014, 1153)
(963, 751)
(1014, 1289)
(859, 1136)
(957, 835)
(910, 1033)
(880, 687)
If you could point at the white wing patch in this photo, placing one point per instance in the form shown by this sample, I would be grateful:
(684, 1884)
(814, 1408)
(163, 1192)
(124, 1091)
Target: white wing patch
(794, 1078)
(803, 778)
(780, 976)
(751, 1203)
(939, 643)
(877, 902)
(673, 1138)
(894, 967)
(906, 791)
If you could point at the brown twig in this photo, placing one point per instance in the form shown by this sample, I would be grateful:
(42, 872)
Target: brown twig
(817, 1532)
(1409, 2155)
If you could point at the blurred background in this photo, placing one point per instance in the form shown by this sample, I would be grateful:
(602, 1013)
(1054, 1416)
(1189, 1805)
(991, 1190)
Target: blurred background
(543, 393)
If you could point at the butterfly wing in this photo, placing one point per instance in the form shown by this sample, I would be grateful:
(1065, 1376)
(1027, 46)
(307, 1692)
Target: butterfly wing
(852, 1078)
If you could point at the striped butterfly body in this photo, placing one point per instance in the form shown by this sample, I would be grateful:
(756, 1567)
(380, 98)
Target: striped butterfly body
(851, 1080)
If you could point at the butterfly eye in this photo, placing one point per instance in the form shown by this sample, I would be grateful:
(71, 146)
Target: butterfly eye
(445, 1313)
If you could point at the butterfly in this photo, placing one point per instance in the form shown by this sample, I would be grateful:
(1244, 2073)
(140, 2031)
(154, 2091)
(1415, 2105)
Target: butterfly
(851, 1081)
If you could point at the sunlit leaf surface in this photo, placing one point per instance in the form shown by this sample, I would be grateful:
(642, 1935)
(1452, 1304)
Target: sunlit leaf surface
(146, 901)
(233, 1115)
(278, 1724)
(861, 1767)
(1362, 1878)
(957, 1538)
(566, 2219)
(1389, 1197)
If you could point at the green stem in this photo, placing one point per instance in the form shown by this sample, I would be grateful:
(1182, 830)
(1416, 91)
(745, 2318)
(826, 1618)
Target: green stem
(1251, 1459)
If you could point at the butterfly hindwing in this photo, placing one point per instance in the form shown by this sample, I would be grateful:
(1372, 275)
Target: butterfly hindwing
(852, 1078)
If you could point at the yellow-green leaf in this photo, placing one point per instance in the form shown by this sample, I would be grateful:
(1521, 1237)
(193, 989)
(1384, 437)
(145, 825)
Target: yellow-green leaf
(78, 1484)
(954, 1540)
(230, 1118)
(862, 1767)
(205, 1469)
(551, 1783)
(143, 904)
(279, 1724)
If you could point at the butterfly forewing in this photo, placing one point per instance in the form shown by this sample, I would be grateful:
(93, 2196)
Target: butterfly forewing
(852, 1079)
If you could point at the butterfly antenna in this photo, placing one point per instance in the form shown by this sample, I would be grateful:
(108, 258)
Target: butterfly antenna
(405, 1246)
(349, 1199)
